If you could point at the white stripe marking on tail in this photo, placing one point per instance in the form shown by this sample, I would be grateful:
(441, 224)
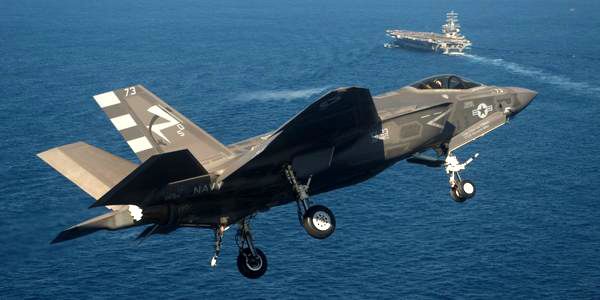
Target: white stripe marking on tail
(140, 144)
(123, 122)
(107, 99)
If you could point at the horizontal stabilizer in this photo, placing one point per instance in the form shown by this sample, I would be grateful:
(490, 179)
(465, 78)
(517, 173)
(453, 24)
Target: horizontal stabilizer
(114, 220)
(142, 185)
(92, 169)
(155, 229)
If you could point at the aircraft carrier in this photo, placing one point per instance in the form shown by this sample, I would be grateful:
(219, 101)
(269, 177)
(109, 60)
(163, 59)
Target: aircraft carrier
(449, 42)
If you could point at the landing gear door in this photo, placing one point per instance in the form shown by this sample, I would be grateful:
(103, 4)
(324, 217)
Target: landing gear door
(312, 162)
(477, 130)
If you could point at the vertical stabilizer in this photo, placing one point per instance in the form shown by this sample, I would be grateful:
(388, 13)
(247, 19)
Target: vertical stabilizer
(150, 126)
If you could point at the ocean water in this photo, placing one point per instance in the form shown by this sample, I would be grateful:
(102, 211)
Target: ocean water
(241, 68)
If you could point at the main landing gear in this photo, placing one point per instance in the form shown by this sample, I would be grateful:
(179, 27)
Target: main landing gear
(251, 261)
(460, 189)
(317, 220)
(218, 242)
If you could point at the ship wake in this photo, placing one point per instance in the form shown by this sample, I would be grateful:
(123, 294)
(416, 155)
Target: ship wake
(281, 95)
(560, 81)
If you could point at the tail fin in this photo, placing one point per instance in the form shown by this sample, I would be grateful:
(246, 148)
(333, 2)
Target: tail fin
(150, 126)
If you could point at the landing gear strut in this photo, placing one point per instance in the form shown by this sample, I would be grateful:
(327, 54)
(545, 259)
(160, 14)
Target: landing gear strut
(218, 241)
(251, 261)
(460, 189)
(317, 220)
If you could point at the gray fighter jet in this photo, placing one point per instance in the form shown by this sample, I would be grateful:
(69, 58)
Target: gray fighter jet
(189, 179)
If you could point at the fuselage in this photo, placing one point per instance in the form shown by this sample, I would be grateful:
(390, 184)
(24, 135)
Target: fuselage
(411, 120)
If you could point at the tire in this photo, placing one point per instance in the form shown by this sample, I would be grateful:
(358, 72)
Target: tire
(466, 188)
(249, 267)
(319, 222)
(455, 196)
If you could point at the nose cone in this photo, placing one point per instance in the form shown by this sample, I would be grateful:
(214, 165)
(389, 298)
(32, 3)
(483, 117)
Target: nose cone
(523, 98)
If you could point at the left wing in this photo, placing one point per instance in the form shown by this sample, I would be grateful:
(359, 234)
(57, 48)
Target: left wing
(339, 116)
(477, 130)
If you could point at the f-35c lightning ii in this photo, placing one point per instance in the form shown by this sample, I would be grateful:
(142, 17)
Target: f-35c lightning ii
(189, 179)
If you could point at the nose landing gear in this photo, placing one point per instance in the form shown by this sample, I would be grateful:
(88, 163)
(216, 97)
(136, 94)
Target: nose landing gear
(463, 190)
(460, 189)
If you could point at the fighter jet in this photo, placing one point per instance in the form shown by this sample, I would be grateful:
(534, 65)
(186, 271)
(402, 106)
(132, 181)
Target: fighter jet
(187, 178)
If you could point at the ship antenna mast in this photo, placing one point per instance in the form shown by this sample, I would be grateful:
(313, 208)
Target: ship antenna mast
(452, 27)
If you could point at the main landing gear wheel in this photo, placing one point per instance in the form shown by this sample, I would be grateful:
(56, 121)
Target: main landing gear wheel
(319, 221)
(252, 266)
(464, 189)
(251, 261)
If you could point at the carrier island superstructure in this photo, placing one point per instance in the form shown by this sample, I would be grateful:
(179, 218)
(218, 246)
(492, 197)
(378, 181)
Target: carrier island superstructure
(449, 42)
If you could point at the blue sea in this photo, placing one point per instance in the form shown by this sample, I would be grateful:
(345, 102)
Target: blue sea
(242, 68)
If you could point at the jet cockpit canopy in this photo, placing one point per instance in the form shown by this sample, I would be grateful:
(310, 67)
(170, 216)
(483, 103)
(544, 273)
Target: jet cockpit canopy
(447, 81)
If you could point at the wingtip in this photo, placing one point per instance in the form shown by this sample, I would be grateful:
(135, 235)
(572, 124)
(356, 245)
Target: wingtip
(96, 204)
(50, 154)
(44, 154)
(61, 237)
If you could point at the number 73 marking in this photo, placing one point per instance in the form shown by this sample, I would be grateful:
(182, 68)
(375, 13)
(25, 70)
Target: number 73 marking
(130, 91)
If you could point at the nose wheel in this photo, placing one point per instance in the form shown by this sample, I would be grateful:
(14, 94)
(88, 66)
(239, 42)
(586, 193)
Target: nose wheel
(460, 189)
(463, 190)
(317, 220)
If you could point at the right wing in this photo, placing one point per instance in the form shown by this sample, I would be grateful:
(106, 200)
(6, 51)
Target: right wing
(150, 126)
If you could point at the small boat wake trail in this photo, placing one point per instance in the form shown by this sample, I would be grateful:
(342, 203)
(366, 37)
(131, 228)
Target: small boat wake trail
(562, 82)
(281, 95)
